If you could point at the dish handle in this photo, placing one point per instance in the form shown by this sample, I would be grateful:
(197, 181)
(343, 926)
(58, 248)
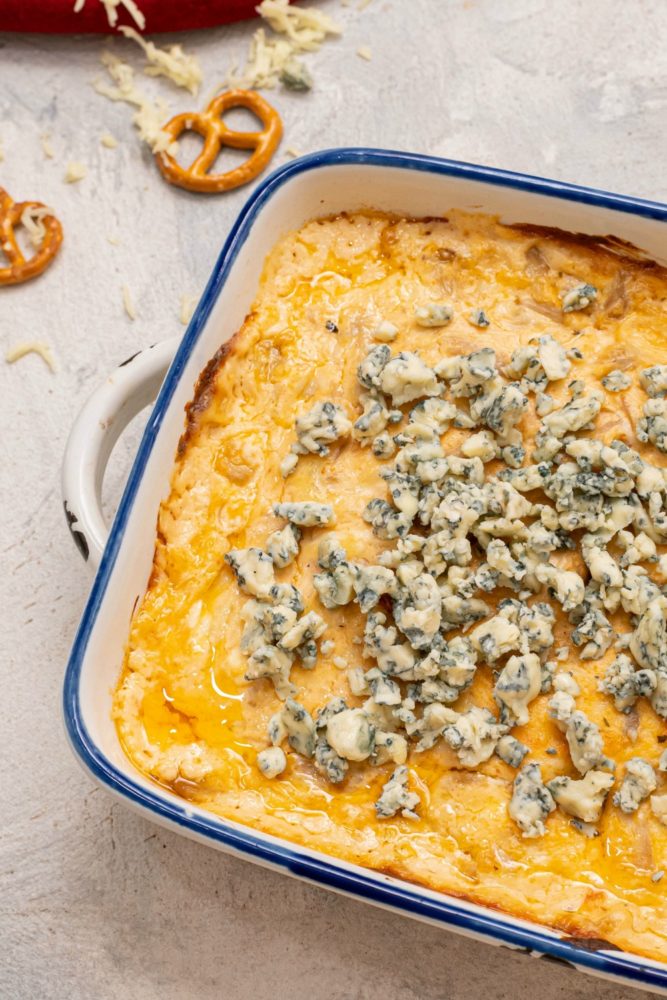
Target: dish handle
(101, 421)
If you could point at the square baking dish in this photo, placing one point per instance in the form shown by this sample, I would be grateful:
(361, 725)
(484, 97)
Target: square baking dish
(318, 185)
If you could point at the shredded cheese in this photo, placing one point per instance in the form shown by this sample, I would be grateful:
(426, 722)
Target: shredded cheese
(149, 116)
(179, 67)
(108, 141)
(32, 220)
(111, 8)
(364, 52)
(293, 153)
(113, 240)
(187, 307)
(128, 304)
(31, 347)
(266, 60)
(75, 172)
(47, 148)
(306, 27)
(304, 30)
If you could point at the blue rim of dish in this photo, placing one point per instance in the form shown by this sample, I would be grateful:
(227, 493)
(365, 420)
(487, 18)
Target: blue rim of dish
(493, 927)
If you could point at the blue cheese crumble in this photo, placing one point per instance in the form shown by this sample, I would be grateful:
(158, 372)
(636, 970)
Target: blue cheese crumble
(315, 430)
(271, 762)
(459, 528)
(396, 796)
(434, 314)
(531, 801)
(579, 298)
(479, 318)
(616, 381)
(638, 782)
(583, 798)
(305, 513)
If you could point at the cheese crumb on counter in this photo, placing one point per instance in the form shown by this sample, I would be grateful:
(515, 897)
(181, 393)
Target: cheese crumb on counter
(364, 52)
(47, 148)
(128, 304)
(272, 60)
(186, 308)
(75, 172)
(108, 141)
(19, 351)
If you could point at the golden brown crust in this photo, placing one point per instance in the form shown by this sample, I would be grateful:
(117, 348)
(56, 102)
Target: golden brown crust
(611, 245)
(204, 390)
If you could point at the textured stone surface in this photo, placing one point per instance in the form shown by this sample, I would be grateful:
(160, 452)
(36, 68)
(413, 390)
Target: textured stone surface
(95, 902)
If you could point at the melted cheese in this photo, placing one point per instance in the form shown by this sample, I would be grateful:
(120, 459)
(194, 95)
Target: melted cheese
(184, 713)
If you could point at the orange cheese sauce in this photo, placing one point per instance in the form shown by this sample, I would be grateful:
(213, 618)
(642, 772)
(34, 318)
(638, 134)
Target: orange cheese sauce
(184, 713)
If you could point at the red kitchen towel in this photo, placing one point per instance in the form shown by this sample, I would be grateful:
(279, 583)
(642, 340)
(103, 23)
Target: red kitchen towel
(58, 17)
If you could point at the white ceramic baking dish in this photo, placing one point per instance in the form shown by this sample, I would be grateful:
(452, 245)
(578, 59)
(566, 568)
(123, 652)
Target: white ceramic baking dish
(324, 183)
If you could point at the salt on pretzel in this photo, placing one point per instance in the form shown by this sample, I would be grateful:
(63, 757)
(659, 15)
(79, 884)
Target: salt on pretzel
(216, 134)
(19, 268)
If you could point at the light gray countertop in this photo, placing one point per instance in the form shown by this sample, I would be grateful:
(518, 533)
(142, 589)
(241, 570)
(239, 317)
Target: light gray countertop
(95, 902)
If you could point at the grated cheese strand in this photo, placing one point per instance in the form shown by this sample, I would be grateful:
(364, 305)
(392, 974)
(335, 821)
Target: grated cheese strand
(111, 9)
(47, 148)
(31, 347)
(32, 221)
(128, 304)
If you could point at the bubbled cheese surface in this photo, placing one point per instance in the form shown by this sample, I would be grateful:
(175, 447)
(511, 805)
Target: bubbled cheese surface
(184, 713)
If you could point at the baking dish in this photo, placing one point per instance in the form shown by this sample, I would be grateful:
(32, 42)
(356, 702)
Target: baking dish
(318, 185)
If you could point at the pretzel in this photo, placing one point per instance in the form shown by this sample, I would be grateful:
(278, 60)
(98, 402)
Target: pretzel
(20, 269)
(216, 134)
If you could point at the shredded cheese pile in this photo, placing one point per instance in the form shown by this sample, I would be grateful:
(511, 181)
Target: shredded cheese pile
(179, 67)
(304, 30)
(149, 116)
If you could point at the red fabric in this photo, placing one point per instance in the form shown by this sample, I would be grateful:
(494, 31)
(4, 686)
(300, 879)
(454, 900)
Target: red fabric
(58, 17)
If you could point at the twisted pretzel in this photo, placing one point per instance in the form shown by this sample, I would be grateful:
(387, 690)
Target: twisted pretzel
(19, 268)
(216, 134)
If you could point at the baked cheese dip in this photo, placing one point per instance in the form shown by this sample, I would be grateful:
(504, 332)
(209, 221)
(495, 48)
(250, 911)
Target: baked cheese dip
(409, 596)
